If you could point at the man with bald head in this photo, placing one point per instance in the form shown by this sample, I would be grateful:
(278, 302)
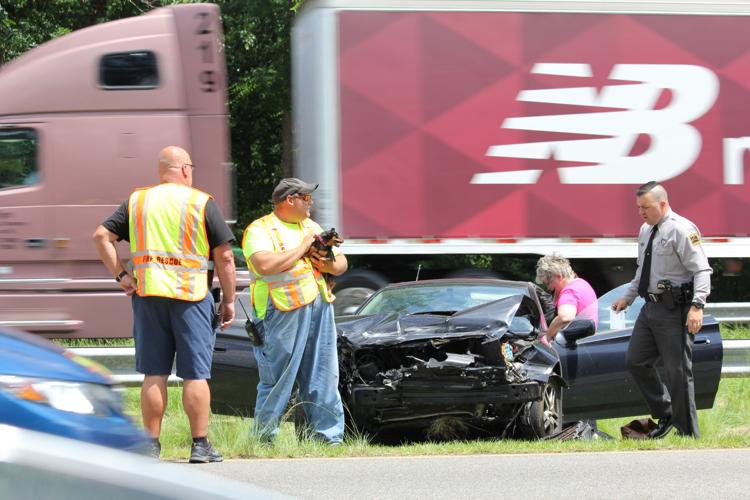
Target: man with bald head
(674, 278)
(175, 232)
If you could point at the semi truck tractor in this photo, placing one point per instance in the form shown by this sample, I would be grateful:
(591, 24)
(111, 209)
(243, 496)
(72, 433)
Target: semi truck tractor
(82, 120)
(493, 132)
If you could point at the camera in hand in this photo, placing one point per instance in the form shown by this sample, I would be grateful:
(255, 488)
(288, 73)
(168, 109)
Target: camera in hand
(253, 333)
(325, 242)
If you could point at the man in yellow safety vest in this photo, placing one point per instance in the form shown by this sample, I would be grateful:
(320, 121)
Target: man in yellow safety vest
(293, 310)
(175, 232)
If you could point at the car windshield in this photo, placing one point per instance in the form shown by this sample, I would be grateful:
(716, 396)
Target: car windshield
(608, 319)
(445, 298)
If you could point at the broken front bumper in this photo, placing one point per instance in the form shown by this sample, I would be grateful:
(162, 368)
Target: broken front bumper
(413, 399)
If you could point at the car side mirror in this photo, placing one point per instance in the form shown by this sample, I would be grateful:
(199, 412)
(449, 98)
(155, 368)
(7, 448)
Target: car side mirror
(577, 330)
(349, 310)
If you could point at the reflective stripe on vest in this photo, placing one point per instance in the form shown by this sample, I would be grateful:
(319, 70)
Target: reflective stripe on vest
(168, 242)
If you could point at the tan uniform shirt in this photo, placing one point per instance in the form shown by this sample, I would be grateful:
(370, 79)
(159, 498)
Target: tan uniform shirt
(677, 255)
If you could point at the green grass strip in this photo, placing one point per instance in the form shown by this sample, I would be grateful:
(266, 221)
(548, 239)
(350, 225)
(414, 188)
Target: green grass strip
(726, 425)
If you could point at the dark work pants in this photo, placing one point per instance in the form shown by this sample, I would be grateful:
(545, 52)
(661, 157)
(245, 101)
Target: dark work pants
(661, 333)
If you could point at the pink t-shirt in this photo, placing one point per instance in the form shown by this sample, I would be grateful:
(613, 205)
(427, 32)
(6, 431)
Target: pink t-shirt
(579, 293)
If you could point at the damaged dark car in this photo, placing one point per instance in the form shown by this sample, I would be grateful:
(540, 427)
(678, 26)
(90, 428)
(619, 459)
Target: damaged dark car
(459, 359)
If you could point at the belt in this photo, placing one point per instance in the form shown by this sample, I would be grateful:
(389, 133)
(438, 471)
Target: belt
(652, 297)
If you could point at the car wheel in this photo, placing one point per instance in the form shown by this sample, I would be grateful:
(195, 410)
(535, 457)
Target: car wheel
(544, 418)
(353, 288)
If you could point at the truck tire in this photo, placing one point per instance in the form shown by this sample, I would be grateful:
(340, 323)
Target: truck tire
(354, 287)
(543, 418)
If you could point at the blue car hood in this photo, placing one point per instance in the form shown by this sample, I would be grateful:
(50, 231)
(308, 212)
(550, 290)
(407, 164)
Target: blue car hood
(26, 355)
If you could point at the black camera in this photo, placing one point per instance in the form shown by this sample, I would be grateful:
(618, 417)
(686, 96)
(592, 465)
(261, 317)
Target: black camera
(253, 333)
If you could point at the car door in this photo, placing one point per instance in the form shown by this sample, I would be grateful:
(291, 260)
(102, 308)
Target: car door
(600, 385)
(234, 371)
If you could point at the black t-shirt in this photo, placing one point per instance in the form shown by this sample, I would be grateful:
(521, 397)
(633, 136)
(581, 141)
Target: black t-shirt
(216, 228)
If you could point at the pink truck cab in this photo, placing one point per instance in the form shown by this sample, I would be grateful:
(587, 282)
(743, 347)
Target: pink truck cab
(82, 120)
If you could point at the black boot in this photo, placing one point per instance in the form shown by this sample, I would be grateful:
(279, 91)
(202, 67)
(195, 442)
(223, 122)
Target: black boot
(662, 428)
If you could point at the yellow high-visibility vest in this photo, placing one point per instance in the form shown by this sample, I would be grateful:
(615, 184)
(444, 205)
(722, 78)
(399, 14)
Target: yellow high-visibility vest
(168, 241)
(290, 289)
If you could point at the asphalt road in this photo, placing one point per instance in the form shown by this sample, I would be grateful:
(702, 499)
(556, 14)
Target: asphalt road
(699, 474)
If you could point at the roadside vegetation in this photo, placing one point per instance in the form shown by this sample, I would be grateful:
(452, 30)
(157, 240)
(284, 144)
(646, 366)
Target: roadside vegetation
(735, 331)
(73, 343)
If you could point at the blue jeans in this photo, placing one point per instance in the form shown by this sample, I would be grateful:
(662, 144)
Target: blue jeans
(299, 345)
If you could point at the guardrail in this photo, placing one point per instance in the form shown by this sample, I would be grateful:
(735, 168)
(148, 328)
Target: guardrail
(736, 362)
(729, 312)
(121, 361)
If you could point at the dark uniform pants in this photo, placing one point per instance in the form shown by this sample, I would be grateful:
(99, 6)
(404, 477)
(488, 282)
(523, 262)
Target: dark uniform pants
(661, 333)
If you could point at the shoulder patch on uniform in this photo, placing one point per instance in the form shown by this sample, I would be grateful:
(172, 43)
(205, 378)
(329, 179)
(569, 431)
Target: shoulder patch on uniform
(694, 238)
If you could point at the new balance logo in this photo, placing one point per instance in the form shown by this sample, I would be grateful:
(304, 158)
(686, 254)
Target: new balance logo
(674, 143)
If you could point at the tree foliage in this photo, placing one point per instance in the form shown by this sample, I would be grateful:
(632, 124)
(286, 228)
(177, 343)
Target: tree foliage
(256, 34)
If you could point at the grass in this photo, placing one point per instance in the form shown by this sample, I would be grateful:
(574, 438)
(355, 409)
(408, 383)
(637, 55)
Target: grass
(726, 425)
(735, 331)
(72, 343)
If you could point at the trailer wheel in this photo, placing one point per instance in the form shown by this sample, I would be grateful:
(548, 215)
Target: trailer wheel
(354, 287)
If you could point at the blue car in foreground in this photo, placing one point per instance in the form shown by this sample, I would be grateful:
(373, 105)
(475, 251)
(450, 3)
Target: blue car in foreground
(47, 389)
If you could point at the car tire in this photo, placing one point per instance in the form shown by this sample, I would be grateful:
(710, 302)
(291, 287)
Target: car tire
(354, 287)
(543, 418)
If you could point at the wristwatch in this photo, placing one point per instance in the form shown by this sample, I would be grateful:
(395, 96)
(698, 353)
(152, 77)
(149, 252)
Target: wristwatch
(119, 276)
(698, 305)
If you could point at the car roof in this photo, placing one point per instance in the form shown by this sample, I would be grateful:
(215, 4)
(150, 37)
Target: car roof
(461, 281)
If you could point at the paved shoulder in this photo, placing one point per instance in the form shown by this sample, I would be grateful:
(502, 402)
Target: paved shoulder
(699, 474)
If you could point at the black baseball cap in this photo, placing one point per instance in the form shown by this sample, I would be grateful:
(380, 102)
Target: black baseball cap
(291, 186)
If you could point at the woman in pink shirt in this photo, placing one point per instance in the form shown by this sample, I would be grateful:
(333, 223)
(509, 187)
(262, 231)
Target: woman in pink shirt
(573, 296)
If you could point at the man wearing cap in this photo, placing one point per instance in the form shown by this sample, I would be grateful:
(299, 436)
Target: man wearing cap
(674, 278)
(293, 311)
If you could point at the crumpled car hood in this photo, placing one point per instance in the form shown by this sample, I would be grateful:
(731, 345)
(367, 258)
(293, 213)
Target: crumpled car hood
(487, 320)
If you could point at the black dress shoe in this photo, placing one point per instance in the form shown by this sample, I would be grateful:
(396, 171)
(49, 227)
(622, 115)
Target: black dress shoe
(662, 428)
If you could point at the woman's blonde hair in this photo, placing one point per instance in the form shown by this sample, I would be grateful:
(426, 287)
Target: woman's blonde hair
(549, 266)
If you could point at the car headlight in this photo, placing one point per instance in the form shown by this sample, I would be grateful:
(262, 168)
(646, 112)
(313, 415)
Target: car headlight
(75, 397)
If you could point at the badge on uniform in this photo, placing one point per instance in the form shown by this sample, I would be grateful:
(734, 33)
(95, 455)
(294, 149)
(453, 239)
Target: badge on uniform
(694, 239)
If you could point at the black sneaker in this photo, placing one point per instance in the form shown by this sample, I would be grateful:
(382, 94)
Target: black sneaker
(202, 453)
(154, 449)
